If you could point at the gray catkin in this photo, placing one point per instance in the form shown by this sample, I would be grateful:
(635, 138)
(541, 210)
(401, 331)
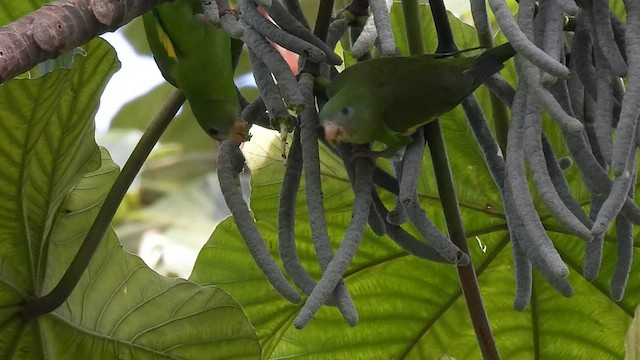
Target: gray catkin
(493, 156)
(398, 215)
(293, 6)
(618, 94)
(269, 92)
(376, 222)
(518, 187)
(380, 9)
(266, 28)
(406, 241)
(228, 21)
(519, 236)
(339, 264)
(603, 122)
(617, 195)
(593, 175)
(532, 73)
(501, 89)
(286, 229)
(313, 190)
(625, 247)
(593, 250)
(551, 105)
(523, 45)
(286, 218)
(230, 164)
(630, 111)
(624, 229)
(523, 276)
(337, 29)
(479, 15)
(560, 183)
(553, 34)
(590, 130)
(569, 7)
(434, 236)
(411, 168)
(619, 29)
(211, 11)
(254, 110)
(369, 33)
(287, 83)
(536, 259)
(292, 25)
(600, 13)
(581, 55)
(546, 189)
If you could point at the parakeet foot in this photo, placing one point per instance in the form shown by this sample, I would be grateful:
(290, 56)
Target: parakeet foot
(226, 11)
(371, 154)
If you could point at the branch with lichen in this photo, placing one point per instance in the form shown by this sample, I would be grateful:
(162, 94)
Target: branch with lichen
(60, 26)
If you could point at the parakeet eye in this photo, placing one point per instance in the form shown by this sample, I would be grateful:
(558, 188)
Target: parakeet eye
(213, 132)
(345, 111)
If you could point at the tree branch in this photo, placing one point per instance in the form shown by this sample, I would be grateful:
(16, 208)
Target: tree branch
(61, 26)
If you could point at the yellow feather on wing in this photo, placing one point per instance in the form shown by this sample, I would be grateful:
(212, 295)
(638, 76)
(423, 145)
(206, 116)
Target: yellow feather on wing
(166, 43)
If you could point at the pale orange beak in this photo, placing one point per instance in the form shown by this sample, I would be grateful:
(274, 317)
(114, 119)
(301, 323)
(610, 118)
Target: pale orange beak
(331, 132)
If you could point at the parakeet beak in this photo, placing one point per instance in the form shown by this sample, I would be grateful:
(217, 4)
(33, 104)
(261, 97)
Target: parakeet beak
(239, 132)
(331, 132)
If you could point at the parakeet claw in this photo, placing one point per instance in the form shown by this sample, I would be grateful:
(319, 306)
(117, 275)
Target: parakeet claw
(229, 11)
(372, 154)
(366, 153)
(239, 132)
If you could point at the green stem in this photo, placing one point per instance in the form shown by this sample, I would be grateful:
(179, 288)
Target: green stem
(445, 183)
(466, 274)
(411, 14)
(37, 306)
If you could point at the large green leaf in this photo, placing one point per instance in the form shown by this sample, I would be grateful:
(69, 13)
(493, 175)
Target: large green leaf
(409, 308)
(53, 180)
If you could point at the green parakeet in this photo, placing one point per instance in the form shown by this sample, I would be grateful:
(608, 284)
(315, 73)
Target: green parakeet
(195, 56)
(387, 99)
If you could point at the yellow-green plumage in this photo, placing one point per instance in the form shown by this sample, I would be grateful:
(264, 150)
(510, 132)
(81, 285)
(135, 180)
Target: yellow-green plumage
(195, 56)
(387, 99)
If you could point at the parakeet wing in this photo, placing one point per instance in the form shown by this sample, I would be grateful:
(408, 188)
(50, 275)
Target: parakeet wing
(413, 90)
(160, 44)
(195, 56)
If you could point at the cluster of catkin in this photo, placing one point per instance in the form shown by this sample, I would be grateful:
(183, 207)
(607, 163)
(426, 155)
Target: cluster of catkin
(570, 64)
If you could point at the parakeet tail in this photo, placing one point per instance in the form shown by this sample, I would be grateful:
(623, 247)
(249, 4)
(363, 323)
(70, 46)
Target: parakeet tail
(501, 53)
(490, 62)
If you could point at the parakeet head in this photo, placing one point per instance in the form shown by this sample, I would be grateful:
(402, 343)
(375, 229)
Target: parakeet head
(218, 118)
(347, 120)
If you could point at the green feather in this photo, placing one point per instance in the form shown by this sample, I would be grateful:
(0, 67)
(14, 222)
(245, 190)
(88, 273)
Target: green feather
(195, 56)
(387, 99)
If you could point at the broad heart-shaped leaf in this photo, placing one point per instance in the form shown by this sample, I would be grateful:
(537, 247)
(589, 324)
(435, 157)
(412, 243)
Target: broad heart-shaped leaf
(123, 309)
(409, 308)
(53, 180)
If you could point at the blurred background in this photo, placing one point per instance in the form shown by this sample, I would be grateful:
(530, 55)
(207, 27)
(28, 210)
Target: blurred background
(174, 205)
